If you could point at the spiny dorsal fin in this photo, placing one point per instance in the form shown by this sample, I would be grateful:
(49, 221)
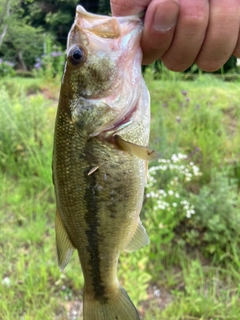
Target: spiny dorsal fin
(139, 151)
(93, 170)
(139, 238)
(64, 245)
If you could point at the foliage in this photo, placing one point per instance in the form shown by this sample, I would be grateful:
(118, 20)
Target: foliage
(104, 7)
(202, 294)
(6, 9)
(169, 279)
(51, 63)
(22, 128)
(23, 46)
(160, 71)
(25, 23)
(6, 68)
(167, 203)
(216, 224)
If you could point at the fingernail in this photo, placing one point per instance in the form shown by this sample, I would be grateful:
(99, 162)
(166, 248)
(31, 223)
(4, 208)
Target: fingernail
(165, 16)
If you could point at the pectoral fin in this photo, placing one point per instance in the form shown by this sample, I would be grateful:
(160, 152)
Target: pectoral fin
(139, 239)
(139, 151)
(64, 245)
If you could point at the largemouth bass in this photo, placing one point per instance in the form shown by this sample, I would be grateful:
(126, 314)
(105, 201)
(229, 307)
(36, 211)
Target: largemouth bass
(100, 157)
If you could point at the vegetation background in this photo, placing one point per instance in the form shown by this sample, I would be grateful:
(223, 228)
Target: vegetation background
(192, 206)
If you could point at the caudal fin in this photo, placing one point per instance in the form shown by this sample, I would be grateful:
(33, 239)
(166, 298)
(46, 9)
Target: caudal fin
(118, 307)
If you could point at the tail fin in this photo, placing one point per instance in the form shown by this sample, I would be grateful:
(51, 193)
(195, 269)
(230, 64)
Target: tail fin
(118, 307)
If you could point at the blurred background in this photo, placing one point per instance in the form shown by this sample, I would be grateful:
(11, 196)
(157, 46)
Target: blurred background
(191, 208)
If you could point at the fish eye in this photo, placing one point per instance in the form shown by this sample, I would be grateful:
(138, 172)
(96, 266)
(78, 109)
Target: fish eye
(76, 55)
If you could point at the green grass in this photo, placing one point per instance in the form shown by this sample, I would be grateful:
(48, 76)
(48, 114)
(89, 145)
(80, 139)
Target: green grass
(197, 275)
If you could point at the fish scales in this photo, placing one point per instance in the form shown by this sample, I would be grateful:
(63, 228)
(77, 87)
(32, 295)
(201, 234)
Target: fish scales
(97, 200)
(100, 156)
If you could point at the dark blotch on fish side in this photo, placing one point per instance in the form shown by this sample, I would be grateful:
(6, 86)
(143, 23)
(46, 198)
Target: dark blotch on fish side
(92, 221)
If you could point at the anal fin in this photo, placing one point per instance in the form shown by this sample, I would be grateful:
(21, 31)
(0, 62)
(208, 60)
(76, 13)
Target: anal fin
(64, 245)
(139, 151)
(139, 238)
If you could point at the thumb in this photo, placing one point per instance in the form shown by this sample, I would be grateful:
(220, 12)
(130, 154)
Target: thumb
(159, 25)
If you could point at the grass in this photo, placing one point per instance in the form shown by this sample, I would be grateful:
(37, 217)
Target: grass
(177, 278)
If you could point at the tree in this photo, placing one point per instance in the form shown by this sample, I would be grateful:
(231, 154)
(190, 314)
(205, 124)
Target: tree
(4, 18)
(22, 45)
(19, 41)
(54, 16)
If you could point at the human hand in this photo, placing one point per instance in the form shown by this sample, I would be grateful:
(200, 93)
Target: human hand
(181, 32)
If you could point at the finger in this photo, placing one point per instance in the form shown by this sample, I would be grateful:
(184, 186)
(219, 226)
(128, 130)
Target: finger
(236, 51)
(189, 35)
(222, 34)
(128, 7)
(159, 25)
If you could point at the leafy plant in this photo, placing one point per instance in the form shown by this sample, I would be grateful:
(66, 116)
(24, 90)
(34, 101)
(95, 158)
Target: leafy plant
(184, 214)
(22, 126)
(51, 62)
(216, 223)
(6, 68)
(167, 202)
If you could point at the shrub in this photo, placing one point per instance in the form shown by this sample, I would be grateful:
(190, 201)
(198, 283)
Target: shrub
(167, 202)
(215, 226)
(6, 68)
(178, 210)
(51, 62)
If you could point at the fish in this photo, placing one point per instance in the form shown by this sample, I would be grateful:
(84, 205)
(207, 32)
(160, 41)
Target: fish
(100, 157)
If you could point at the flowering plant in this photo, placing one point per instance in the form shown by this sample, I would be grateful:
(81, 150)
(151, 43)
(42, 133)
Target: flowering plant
(6, 68)
(171, 196)
(168, 202)
(50, 64)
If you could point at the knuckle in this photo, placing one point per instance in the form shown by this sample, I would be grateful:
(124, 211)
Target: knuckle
(210, 65)
(177, 65)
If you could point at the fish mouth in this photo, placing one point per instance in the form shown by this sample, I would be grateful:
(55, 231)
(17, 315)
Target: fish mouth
(90, 15)
(103, 26)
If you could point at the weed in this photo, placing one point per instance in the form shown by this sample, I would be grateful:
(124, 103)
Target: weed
(187, 215)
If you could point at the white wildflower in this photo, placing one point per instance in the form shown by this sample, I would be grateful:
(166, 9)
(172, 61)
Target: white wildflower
(174, 204)
(182, 156)
(170, 192)
(6, 282)
(162, 160)
(162, 192)
(163, 168)
(174, 158)
(188, 214)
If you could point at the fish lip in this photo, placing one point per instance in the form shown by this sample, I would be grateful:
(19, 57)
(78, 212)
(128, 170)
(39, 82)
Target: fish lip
(135, 17)
(82, 11)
